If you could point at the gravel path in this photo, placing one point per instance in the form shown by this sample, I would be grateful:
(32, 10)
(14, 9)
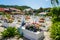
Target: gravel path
(1, 30)
(47, 36)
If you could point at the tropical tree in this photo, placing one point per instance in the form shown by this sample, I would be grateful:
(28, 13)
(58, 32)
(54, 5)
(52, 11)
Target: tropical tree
(54, 2)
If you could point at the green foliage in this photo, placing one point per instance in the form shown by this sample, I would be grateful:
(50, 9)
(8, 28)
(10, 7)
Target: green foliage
(55, 11)
(54, 20)
(22, 7)
(37, 14)
(28, 13)
(14, 6)
(39, 10)
(55, 28)
(31, 27)
(10, 32)
(55, 31)
(1, 13)
(7, 15)
(54, 2)
(49, 14)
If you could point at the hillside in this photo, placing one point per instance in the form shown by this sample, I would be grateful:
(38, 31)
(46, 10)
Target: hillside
(15, 6)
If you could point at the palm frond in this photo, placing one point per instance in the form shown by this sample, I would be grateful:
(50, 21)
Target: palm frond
(53, 2)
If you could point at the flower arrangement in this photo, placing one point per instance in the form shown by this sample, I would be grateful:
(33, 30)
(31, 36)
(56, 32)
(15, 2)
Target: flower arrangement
(10, 20)
(41, 20)
(33, 27)
(27, 17)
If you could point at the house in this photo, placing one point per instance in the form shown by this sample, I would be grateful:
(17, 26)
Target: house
(11, 11)
(42, 13)
(7, 10)
(1, 9)
(28, 11)
(15, 11)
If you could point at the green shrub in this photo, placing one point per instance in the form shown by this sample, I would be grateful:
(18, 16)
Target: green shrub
(49, 14)
(37, 14)
(55, 19)
(55, 31)
(10, 32)
(1, 13)
(55, 12)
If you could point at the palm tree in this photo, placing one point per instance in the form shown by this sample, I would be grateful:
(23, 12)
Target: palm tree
(54, 2)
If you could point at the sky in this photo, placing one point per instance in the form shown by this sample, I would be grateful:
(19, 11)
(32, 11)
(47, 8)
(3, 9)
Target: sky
(35, 4)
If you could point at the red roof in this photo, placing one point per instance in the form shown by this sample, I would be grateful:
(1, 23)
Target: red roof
(1, 9)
